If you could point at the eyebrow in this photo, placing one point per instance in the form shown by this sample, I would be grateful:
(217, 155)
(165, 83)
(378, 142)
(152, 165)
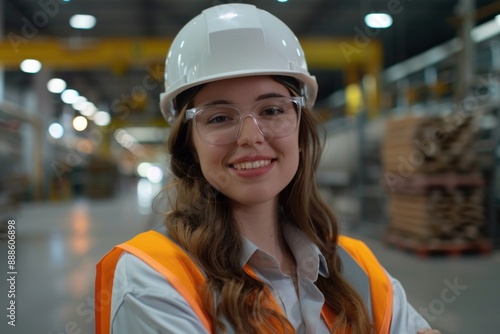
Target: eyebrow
(259, 98)
(268, 96)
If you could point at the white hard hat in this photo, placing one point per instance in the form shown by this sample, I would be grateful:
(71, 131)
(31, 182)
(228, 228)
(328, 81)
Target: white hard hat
(233, 40)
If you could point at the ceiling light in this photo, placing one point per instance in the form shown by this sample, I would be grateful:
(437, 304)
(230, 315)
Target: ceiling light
(143, 168)
(486, 30)
(128, 141)
(119, 135)
(56, 85)
(282, 0)
(79, 103)
(102, 118)
(80, 123)
(81, 21)
(125, 139)
(56, 130)
(378, 20)
(88, 109)
(31, 66)
(69, 96)
(155, 174)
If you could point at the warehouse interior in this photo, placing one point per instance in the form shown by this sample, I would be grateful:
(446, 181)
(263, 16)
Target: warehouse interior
(411, 163)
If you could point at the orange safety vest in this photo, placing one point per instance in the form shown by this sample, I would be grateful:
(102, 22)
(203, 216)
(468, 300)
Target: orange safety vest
(171, 261)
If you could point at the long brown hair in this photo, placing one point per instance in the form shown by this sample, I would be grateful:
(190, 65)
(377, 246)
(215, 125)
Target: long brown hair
(202, 222)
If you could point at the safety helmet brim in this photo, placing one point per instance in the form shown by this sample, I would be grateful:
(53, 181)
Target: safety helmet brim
(169, 108)
(229, 41)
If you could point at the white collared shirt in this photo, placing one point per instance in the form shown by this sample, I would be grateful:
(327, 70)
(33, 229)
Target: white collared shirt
(145, 302)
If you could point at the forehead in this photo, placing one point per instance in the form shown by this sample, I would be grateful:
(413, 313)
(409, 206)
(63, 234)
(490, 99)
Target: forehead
(239, 90)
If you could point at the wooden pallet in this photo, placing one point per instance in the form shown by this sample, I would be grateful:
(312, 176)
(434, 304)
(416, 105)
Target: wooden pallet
(430, 247)
(438, 214)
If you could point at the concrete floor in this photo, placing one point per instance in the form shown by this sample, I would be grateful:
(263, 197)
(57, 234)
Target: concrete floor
(58, 245)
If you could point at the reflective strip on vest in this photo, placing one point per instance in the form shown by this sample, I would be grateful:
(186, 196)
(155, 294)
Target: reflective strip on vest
(380, 286)
(360, 267)
(357, 277)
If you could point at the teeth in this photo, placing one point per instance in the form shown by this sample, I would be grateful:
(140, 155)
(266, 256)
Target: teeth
(250, 165)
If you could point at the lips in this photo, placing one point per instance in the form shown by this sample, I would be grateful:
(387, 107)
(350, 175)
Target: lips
(246, 165)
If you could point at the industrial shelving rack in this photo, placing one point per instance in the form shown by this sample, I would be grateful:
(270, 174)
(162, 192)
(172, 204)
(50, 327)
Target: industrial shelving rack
(11, 179)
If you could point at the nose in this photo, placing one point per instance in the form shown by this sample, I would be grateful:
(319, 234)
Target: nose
(249, 131)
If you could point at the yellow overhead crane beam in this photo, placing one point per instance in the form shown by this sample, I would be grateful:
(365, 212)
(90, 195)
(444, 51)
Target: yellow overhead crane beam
(78, 54)
(360, 54)
(83, 54)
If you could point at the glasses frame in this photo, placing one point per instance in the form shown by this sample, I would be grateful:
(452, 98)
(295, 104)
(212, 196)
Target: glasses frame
(299, 102)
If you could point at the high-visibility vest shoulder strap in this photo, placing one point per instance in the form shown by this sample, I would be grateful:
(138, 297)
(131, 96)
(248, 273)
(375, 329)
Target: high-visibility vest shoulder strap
(380, 296)
(164, 256)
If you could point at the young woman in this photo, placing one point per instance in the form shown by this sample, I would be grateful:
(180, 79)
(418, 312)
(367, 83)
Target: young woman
(249, 246)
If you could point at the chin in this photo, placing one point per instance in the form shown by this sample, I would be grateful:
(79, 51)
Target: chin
(257, 198)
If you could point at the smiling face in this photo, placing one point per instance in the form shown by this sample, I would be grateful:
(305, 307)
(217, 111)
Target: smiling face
(253, 169)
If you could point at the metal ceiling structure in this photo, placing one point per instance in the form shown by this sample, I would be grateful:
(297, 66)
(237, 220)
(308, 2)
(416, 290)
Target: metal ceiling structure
(125, 50)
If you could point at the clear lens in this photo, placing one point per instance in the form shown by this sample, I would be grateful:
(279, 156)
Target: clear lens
(221, 124)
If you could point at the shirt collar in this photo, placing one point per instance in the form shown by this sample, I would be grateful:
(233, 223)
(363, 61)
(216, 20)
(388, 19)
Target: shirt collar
(310, 260)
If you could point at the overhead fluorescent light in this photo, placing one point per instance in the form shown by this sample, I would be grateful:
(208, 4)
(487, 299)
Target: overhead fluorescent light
(102, 118)
(88, 109)
(378, 20)
(31, 66)
(79, 103)
(486, 30)
(80, 123)
(56, 130)
(56, 85)
(69, 96)
(81, 21)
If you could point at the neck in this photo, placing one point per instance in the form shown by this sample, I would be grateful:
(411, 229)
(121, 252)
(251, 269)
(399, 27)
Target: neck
(260, 225)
